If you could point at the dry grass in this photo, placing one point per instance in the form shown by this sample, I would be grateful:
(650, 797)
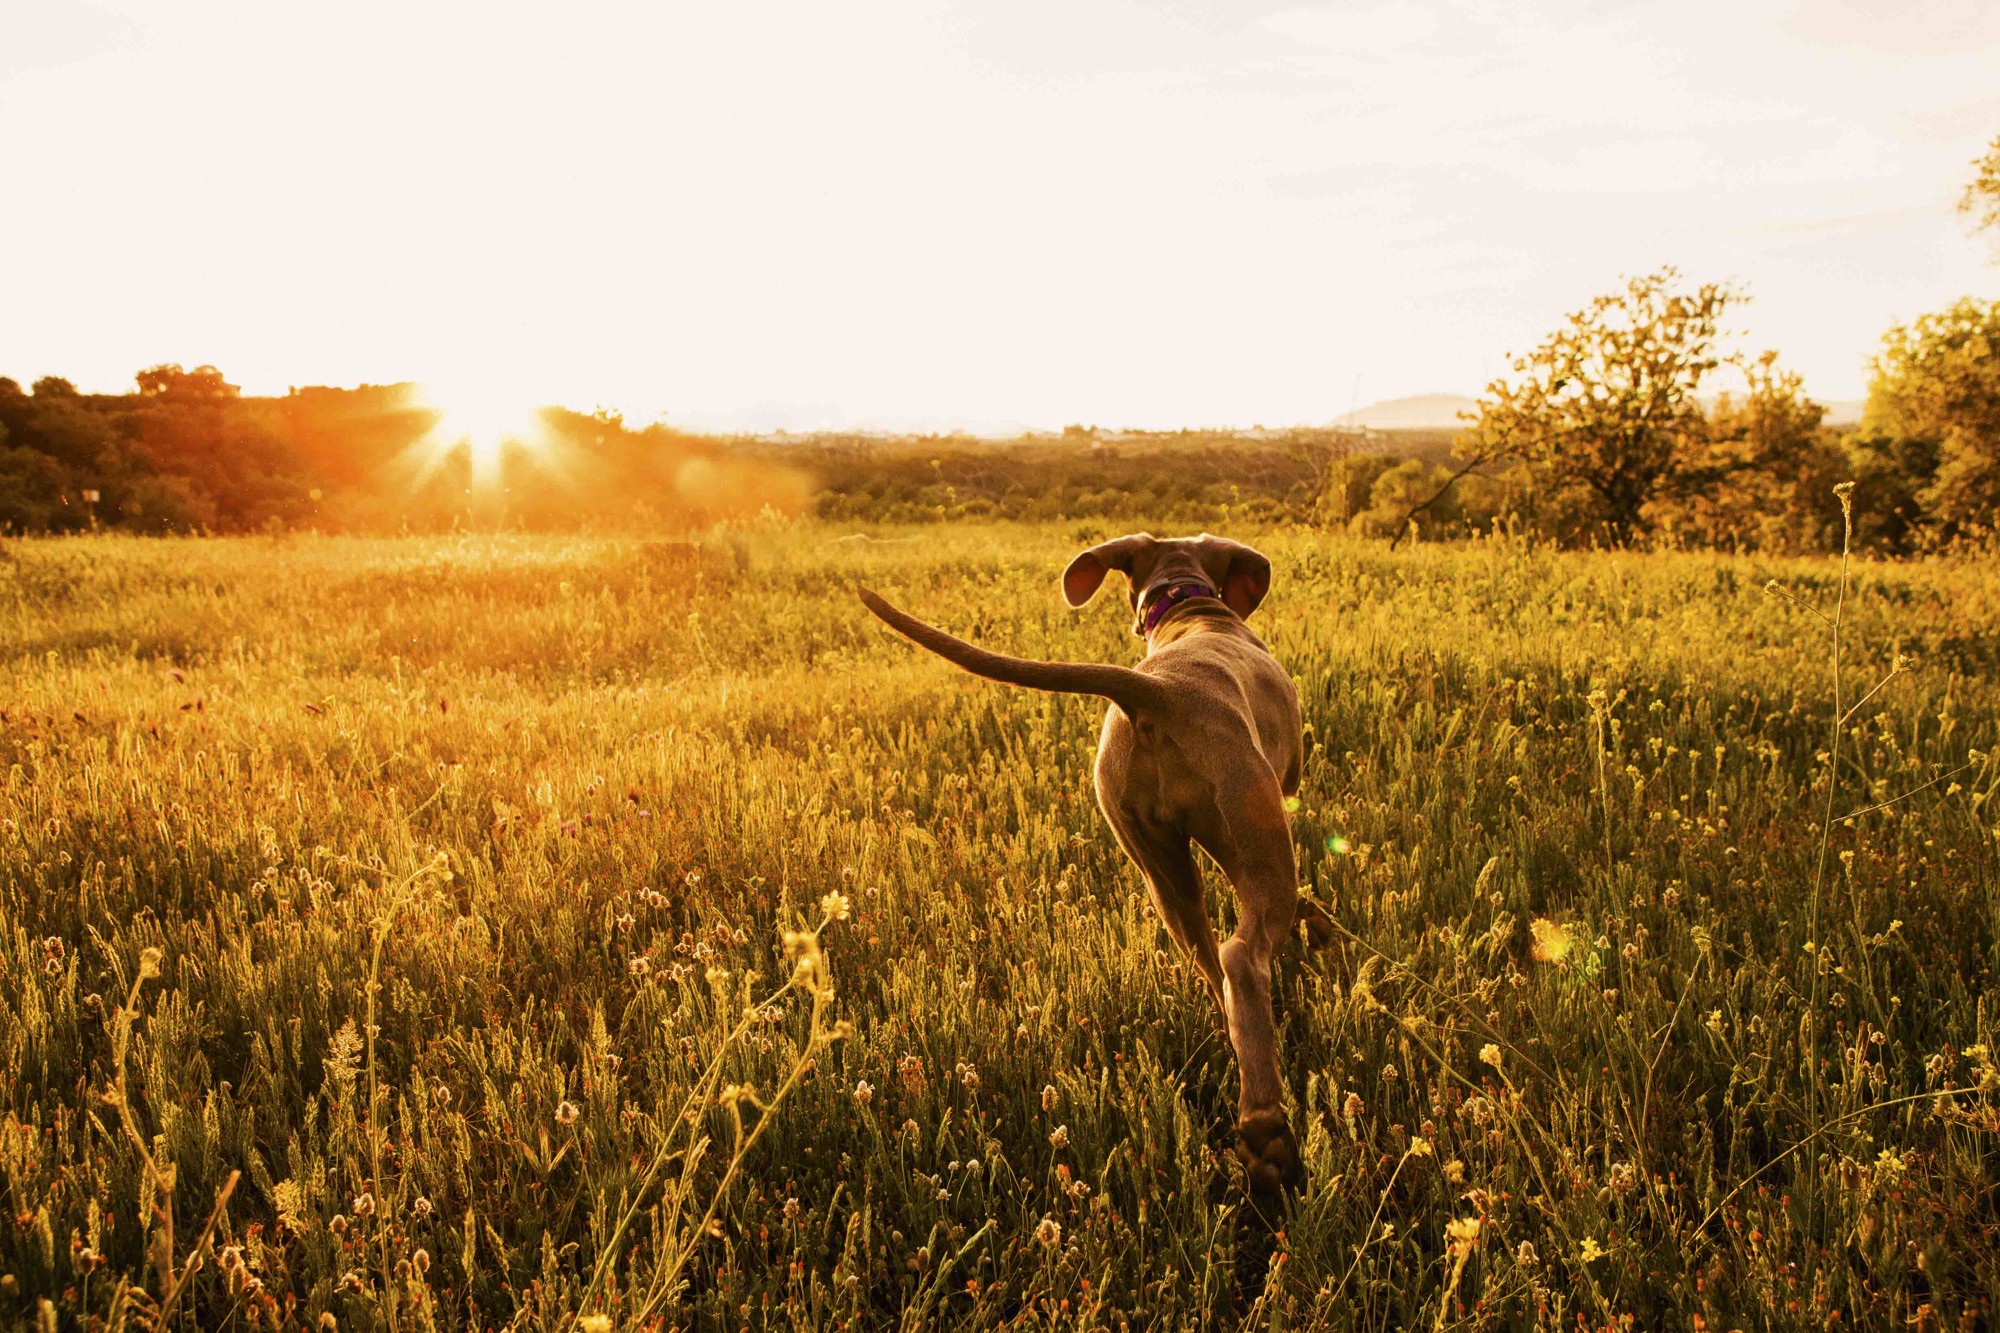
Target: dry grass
(469, 862)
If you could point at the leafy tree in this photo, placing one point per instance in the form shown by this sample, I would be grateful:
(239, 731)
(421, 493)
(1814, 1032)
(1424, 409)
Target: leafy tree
(1935, 395)
(1981, 200)
(1607, 408)
(168, 379)
(54, 386)
(1762, 472)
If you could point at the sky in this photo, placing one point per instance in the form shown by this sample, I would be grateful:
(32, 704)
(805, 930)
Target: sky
(1130, 213)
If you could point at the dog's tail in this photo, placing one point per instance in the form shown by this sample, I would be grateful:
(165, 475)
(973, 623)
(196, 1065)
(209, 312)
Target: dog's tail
(1131, 690)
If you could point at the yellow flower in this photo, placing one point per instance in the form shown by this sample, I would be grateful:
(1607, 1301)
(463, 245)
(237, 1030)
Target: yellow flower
(1490, 1054)
(834, 906)
(1551, 941)
(1591, 1249)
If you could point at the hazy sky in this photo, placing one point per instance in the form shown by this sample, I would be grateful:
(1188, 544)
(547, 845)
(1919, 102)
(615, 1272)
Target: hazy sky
(1035, 211)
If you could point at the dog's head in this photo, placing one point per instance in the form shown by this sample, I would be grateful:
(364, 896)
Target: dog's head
(1239, 575)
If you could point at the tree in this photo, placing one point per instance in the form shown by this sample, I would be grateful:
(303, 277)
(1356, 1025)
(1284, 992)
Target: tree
(1763, 472)
(1935, 394)
(1607, 406)
(54, 386)
(168, 380)
(1981, 200)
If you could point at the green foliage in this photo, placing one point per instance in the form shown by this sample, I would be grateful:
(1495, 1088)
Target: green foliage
(1605, 435)
(1981, 200)
(460, 854)
(1935, 403)
(1607, 410)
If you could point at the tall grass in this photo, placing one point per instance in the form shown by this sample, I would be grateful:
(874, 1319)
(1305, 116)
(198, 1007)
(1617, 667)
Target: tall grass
(470, 865)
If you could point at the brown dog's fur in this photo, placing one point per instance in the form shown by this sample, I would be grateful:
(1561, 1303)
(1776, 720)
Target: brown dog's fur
(1201, 746)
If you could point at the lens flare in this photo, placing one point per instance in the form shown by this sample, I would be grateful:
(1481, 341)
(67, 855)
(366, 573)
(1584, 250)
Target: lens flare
(485, 420)
(1338, 845)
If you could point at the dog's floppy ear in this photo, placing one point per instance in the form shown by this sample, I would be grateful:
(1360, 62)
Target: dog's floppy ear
(1241, 574)
(1085, 574)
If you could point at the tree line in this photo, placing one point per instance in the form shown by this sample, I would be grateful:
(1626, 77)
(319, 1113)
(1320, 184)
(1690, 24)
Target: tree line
(186, 451)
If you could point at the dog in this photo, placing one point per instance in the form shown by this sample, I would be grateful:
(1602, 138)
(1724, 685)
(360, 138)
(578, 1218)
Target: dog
(1202, 745)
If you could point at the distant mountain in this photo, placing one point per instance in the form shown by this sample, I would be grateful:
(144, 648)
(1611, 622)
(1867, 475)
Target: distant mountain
(1426, 411)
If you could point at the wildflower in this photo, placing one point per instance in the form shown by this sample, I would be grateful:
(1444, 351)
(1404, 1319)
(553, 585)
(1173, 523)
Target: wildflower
(1048, 1096)
(625, 921)
(1462, 1233)
(1714, 1022)
(567, 1113)
(230, 1259)
(791, 1209)
(1353, 1106)
(1059, 1137)
(421, 1207)
(1591, 1250)
(1623, 1179)
(717, 976)
(1525, 1256)
(364, 1204)
(639, 966)
(834, 906)
(864, 1092)
(1550, 940)
(1454, 1172)
(1420, 1147)
(1389, 1074)
(1049, 1232)
(969, 1076)
(150, 960)
(421, 1261)
(594, 1323)
(350, 1281)
(1490, 1054)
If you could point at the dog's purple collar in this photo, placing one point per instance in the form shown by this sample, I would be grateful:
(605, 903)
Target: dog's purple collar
(1157, 608)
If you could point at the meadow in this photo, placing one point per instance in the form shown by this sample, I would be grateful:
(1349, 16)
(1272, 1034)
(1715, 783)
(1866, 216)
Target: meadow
(571, 932)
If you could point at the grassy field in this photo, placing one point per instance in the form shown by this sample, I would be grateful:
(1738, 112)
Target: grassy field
(441, 888)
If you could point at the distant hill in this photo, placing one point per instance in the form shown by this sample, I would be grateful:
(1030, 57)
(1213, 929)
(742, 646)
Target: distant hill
(1427, 411)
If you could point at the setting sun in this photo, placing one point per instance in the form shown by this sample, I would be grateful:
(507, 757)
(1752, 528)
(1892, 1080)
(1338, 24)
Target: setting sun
(484, 420)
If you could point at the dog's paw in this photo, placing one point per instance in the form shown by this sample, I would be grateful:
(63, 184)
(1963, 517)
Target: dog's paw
(1317, 925)
(1269, 1153)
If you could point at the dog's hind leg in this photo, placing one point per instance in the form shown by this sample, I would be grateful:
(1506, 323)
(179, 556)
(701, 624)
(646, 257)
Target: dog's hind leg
(1255, 850)
(1167, 861)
